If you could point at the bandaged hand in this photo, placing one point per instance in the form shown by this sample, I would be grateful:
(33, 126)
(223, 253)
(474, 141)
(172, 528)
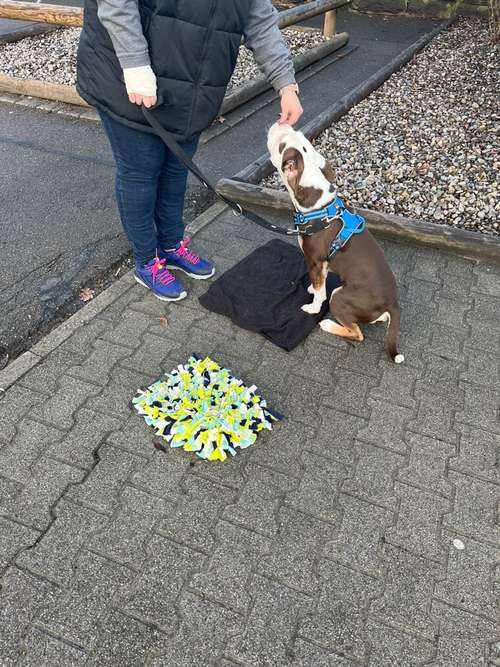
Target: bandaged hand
(140, 83)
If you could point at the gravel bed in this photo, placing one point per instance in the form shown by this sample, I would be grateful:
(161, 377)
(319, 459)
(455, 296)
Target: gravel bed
(52, 57)
(426, 144)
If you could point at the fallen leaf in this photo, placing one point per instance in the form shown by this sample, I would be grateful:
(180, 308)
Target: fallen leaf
(163, 321)
(87, 294)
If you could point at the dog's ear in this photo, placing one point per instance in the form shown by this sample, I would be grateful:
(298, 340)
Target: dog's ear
(292, 166)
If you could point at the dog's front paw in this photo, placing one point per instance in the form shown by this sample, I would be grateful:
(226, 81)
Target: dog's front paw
(311, 308)
(310, 289)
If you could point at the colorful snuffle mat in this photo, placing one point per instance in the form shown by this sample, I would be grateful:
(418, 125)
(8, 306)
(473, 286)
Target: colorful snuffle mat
(201, 407)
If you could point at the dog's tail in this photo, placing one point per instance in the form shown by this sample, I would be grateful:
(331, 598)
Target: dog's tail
(392, 335)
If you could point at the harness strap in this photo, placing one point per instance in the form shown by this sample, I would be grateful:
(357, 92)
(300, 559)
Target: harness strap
(182, 156)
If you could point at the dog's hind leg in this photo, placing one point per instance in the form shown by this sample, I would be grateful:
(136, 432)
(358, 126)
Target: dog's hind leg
(344, 322)
(317, 274)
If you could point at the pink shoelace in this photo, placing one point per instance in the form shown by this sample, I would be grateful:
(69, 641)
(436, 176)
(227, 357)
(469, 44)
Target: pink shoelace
(183, 251)
(160, 273)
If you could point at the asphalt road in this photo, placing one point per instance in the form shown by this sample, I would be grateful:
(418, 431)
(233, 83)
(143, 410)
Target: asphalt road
(59, 228)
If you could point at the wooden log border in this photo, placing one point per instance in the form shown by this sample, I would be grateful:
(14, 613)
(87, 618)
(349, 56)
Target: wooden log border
(394, 227)
(262, 167)
(237, 97)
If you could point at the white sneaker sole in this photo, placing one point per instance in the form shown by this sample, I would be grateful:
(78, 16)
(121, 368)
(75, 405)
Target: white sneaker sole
(172, 267)
(181, 296)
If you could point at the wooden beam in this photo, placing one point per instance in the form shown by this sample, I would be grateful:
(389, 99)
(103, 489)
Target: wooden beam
(330, 25)
(43, 89)
(308, 11)
(31, 11)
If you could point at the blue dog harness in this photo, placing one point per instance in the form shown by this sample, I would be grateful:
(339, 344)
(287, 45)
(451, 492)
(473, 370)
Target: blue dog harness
(352, 223)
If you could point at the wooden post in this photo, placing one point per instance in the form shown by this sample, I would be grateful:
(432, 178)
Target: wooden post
(34, 11)
(330, 25)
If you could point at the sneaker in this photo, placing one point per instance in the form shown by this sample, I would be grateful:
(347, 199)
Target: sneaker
(185, 260)
(155, 276)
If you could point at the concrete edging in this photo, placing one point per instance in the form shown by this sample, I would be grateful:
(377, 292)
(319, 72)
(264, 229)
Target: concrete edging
(262, 167)
(395, 227)
(31, 358)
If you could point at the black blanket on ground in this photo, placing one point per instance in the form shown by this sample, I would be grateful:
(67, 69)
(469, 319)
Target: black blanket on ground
(265, 291)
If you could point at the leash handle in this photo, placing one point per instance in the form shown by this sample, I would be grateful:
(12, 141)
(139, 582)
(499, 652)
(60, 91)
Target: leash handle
(184, 158)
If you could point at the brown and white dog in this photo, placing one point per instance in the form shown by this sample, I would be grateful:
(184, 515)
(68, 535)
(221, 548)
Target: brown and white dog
(368, 293)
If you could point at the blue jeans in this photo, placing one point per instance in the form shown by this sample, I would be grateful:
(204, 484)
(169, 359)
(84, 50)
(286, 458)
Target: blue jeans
(150, 188)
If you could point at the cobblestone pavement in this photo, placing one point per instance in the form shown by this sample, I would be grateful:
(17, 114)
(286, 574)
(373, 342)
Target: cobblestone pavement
(362, 531)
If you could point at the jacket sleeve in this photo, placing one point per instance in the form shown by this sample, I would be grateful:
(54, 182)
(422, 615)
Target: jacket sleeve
(122, 20)
(264, 39)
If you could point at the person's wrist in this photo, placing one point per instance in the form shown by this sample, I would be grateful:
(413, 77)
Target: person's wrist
(291, 88)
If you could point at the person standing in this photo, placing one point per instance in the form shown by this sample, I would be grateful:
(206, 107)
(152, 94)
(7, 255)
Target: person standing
(180, 54)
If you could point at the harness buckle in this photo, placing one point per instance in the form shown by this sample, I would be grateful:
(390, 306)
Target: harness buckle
(238, 211)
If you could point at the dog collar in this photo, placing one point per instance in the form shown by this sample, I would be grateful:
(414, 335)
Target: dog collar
(310, 223)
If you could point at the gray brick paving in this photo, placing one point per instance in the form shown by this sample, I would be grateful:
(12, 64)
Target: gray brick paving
(362, 532)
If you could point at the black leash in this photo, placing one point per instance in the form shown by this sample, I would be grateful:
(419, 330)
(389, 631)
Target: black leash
(182, 156)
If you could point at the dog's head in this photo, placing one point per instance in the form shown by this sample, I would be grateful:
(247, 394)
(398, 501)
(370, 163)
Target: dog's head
(306, 174)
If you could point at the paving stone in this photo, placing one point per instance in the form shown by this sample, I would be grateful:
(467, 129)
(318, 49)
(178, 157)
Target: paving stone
(357, 541)
(447, 342)
(401, 258)
(33, 505)
(483, 369)
(162, 475)
(115, 400)
(76, 614)
(428, 266)
(126, 534)
(204, 630)
(226, 574)
(59, 409)
(81, 342)
(80, 444)
(475, 508)
(468, 583)
(397, 385)
(113, 315)
(303, 401)
(151, 356)
(316, 366)
(419, 518)
(420, 291)
(8, 490)
(257, 505)
(483, 336)
(101, 489)
(479, 454)
(144, 301)
(427, 464)
(319, 487)
(126, 641)
(394, 648)
(180, 320)
(338, 622)
(373, 476)
(463, 638)
(363, 358)
(486, 310)
(18, 401)
(134, 436)
(13, 539)
(280, 449)
(54, 555)
(31, 440)
(301, 538)
(22, 598)
(434, 419)
(440, 377)
(350, 392)
(386, 426)
(45, 375)
(228, 475)
(482, 407)
(335, 437)
(154, 593)
(488, 280)
(415, 329)
(409, 583)
(267, 637)
(457, 278)
(192, 520)
(128, 329)
(41, 650)
(305, 654)
(7, 431)
(97, 367)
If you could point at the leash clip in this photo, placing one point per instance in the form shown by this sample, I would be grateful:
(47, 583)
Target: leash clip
(237, 210)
